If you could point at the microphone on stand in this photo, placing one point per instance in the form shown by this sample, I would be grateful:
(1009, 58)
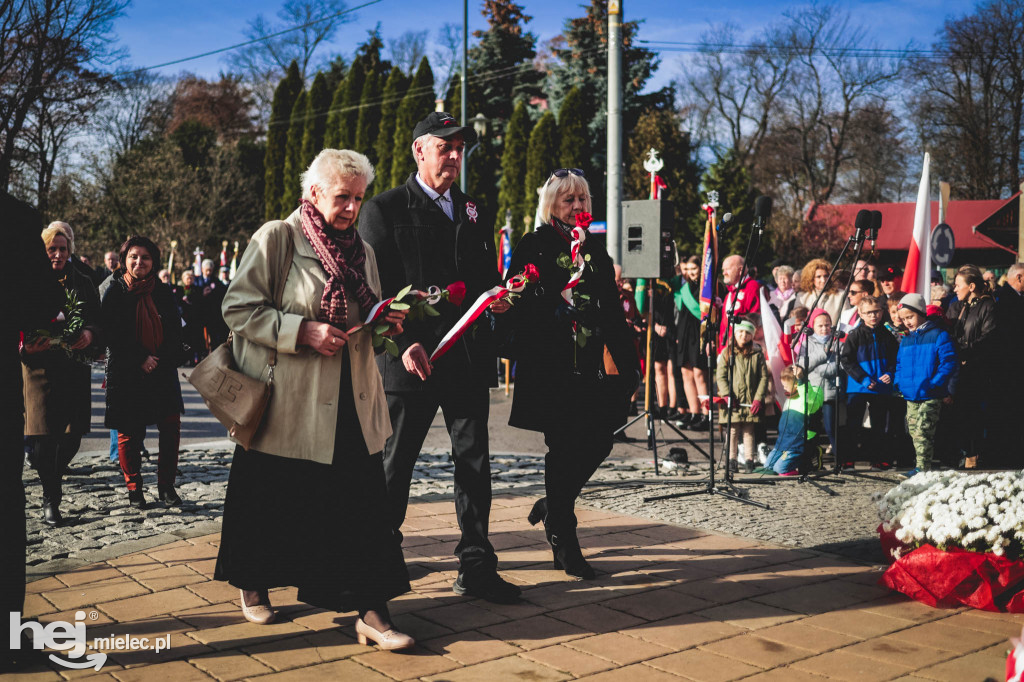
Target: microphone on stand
(726, 220)
(762, 213)
(876, 225)
(862, 223)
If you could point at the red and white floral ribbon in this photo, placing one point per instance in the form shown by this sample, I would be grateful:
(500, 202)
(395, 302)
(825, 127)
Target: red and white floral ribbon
(514, 285)
(579, 235)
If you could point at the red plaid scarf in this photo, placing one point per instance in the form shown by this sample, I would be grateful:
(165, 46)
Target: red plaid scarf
(342, 256)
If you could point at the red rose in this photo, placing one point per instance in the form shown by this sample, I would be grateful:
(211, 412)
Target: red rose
(456, 292)
(583, 220)
(531, 273)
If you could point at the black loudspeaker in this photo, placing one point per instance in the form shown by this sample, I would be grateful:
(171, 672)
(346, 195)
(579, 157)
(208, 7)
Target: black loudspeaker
(648, 239)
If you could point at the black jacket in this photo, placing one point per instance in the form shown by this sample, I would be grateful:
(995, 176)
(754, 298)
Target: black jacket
(416, 244)
(974, 331)
(555, 377)
(134, 398)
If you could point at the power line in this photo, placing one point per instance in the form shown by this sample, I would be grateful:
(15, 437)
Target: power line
(261, 39)
(762, 49)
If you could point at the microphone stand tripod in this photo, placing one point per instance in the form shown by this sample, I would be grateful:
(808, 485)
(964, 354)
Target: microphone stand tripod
(647, 413)
(712, 334)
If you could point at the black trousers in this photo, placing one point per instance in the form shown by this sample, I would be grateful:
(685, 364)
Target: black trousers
(872, 444)
(465, 416)
(50, 456)
(575, 452)
(12, 514)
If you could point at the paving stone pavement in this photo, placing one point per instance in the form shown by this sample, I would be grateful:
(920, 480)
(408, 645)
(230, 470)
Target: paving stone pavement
(668, 604)
(100, 524)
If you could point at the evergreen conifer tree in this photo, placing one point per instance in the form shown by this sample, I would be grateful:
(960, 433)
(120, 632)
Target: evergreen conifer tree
(417, 103)
(391, 98)
(349, 114)
(332, 131)
(293, 167)
(513, 166)
(574, 143)
(316, 119)
(661, 129)
(369, 117)
(543, 139)
(277, 140)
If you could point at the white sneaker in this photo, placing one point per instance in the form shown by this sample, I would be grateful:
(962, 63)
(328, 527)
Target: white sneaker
(762, 453)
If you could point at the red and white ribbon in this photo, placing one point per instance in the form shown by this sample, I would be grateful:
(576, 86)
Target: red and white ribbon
(579, 235)
(376, 312)
(514, 285)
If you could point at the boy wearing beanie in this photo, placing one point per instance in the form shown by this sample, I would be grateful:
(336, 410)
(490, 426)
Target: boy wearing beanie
(925, 365)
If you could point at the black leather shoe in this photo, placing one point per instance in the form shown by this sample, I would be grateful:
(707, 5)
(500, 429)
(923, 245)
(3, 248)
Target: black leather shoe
(569, 557)
(539, 511)
(136, 499)
(699, 423)
(168, 496)
(487, 586)
(51, 514)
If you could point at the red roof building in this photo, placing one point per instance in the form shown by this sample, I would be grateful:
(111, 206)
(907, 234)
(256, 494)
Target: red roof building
(971, 222)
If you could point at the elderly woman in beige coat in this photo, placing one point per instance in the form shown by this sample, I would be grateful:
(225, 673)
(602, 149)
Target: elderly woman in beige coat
(305, 503)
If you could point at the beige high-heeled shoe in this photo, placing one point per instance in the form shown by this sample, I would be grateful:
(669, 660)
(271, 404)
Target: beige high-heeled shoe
(389, 641)
(261, 614)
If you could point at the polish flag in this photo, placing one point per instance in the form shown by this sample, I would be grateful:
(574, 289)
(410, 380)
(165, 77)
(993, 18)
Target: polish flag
(917, 274)
(773, 346)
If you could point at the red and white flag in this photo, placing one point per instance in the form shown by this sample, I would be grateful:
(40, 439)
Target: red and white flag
(917, 275)
(772, 341)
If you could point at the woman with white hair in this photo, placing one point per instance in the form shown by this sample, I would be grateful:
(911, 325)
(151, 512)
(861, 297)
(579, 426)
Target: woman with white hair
(56, 373)
(576, 361)
(306, 502)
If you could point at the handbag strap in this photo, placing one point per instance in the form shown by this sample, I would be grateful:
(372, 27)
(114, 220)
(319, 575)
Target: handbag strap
(289, 249)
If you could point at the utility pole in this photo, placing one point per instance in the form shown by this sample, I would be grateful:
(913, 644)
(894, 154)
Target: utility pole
(463, 95)
(614, 217)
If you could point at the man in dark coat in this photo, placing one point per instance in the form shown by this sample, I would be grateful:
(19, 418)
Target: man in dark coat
(1008, 435)
(428, 233)
(38, 300)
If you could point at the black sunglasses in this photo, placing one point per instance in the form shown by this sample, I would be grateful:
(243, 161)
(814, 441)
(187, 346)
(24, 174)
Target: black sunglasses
(562, 172)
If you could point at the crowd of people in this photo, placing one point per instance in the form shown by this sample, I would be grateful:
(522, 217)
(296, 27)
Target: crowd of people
(887, 378)
(316, 500)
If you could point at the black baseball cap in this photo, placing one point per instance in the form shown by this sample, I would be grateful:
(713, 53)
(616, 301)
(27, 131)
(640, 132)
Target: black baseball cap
(889, 274)
(442, 124)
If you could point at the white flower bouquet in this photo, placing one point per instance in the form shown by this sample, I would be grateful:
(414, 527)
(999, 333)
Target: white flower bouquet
(974, 512)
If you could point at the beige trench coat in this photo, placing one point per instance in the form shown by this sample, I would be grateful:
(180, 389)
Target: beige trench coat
(302, 415)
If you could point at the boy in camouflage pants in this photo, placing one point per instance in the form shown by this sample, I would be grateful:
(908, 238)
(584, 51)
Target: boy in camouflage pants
(925, 364)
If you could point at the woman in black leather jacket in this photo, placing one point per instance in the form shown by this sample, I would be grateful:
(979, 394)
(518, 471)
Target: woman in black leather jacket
(576, 361)
(974, 332)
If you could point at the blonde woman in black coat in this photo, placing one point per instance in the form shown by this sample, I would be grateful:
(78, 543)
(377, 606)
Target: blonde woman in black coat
(566, 389)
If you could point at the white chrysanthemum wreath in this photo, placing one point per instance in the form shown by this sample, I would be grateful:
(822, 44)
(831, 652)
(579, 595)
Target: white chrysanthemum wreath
(975, 512)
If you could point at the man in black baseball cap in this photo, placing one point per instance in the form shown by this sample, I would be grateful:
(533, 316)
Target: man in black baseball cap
(428, 233)
(442, 124)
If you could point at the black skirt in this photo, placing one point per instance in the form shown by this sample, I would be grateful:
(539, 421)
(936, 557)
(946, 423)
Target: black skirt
(320, 527)
(687, 347)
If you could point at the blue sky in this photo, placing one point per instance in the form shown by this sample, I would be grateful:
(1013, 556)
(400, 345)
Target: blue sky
(155, 31)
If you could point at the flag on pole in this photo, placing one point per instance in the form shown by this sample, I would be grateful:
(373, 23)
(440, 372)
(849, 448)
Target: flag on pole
(917, 274)
(708, 263)
(772, 343)
(505, 249)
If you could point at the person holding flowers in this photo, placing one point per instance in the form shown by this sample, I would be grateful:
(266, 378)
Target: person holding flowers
(56, 372)
(567, 386)
(427, 233)
(305, 503)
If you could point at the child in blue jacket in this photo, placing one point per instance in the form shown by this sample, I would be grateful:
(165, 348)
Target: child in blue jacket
(869, 358)
(925, 364)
